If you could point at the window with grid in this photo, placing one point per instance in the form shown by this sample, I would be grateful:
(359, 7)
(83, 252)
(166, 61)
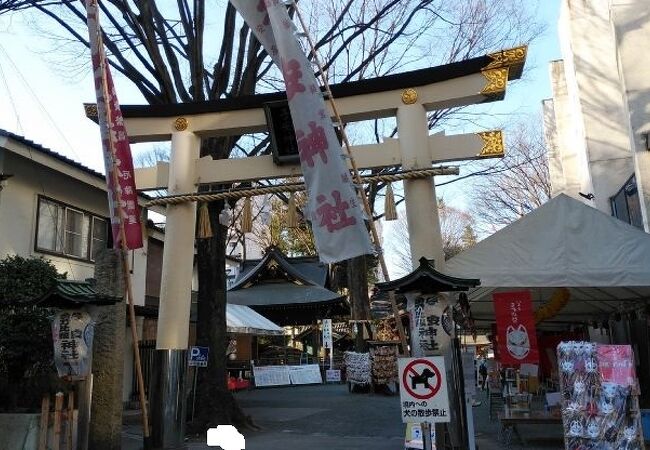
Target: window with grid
(62, 229)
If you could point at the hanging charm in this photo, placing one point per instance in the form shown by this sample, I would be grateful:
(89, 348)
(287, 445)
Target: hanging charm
(247, 216)
(204, 228)
(292, 213)
(390, 212)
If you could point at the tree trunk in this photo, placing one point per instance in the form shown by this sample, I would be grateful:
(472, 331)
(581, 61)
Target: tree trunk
(357, 276)
(215, 405)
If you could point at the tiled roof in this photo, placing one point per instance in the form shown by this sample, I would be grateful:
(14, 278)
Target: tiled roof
(70, 293)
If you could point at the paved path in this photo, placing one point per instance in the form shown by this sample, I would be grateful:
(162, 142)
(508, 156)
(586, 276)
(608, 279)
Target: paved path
(328, 417)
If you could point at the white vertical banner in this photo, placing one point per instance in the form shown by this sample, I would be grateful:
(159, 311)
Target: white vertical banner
(333, 205)
(72, 335)
(327, 333)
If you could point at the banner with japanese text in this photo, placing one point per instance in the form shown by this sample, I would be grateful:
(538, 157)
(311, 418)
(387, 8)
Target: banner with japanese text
(122, 196)
(72, 335)
(333, 206)
(517, 339)
(431, 324)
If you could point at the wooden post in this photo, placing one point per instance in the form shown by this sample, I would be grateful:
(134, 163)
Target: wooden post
(45, 416)
(58, 406)
(69, 421)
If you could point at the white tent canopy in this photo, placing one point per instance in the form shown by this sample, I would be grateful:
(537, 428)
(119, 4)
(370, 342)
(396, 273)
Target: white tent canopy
(242, 319)
(603, 261)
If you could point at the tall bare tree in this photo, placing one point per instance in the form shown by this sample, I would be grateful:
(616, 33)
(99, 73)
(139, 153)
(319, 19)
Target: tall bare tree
(189, 51)
(516, 184)
(456, 228)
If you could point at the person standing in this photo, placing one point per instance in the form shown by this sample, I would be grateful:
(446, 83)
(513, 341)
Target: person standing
(482, 370)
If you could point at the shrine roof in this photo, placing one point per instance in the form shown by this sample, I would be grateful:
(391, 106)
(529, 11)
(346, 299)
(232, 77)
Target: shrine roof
(411, 79)
(73, 294)
(428, 280)
(305, 270)
(276, 281)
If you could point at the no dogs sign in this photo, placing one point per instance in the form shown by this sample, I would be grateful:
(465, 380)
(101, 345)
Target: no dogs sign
(423, 390)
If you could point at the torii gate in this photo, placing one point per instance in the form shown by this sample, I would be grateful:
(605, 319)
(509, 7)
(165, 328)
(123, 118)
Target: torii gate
(406, 96)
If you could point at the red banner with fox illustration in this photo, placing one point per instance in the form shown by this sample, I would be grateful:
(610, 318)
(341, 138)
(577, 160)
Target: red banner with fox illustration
(517, 339)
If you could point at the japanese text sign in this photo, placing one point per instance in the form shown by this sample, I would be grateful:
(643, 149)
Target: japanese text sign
(333, 206)
(431, 324)
(327, 333)
(423, 390)
(72, 334)
(517, 340)
(118, 162)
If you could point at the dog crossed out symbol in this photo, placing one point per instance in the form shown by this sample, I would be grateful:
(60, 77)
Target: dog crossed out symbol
(422, 378)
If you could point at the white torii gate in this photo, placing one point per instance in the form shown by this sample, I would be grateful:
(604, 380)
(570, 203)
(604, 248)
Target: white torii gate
(408, 97)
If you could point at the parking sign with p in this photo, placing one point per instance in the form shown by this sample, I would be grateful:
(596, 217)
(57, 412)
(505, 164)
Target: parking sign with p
(198, 356)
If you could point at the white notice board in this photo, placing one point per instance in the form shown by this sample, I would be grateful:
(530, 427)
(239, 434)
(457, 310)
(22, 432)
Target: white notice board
(271, 376)
(305, 374)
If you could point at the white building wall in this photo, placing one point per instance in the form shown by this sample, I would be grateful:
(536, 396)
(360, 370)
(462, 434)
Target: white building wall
(590, 108)
(18, 219)
(631, 20)
(556, 173)
(18, 216)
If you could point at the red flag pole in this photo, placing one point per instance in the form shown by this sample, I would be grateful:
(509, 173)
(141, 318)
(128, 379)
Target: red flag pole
(129, 287)
(124, 251)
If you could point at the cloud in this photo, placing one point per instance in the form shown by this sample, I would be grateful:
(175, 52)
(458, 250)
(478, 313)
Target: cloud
(227, 437)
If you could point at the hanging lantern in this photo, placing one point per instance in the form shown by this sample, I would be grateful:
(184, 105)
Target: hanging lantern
(225, 217)
(390, 212)
(247, 216)
(204, 229)
(292, 213)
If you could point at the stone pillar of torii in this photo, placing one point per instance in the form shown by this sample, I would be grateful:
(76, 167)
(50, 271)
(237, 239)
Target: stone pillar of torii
(408, 97)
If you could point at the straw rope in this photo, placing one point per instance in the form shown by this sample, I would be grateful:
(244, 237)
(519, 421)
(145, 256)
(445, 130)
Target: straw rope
(293, 187)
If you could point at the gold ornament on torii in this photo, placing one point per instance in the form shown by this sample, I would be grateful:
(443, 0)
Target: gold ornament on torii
(409, 96)
(497, 79)
(492, 144)
(510, 57)
(181, 124)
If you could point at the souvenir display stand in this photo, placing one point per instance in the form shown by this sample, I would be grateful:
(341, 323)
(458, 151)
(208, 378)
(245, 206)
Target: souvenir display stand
(600, 408)
(383, 357)
(378, 367)
(357, 369)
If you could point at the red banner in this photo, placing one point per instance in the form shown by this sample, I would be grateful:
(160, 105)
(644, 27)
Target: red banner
(516, 336)
(616, 364)
(122, 194)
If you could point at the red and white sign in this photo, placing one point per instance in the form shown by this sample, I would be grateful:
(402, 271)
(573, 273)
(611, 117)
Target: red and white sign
(334, 209)
(616, 364)
(423, 390)
(517, 340)
(115, 142)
